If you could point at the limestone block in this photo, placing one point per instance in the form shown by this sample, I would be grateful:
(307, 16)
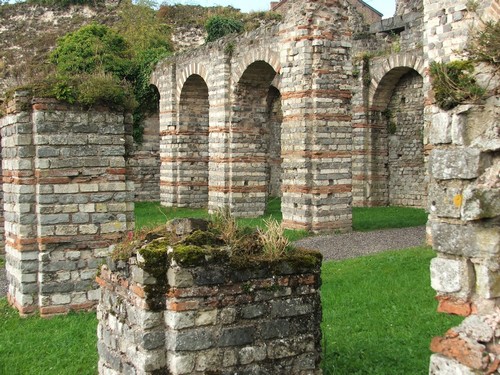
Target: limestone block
(482, 200)
(440, 131)
(180, 320)
(441, 365)
(452, 276)
(464, 163)
(445, 198)
(458, 128)
(470, 240)
(181, 363)
(179, 278)
(487, 281)
(480, 328)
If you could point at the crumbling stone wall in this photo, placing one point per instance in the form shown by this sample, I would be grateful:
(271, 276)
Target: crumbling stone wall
(464, 192)
(66, 199)
(213, 317)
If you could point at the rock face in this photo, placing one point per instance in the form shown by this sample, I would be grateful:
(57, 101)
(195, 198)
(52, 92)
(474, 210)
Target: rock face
(29, 32)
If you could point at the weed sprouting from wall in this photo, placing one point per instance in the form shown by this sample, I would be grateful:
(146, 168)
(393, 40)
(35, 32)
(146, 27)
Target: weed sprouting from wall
(454, 83)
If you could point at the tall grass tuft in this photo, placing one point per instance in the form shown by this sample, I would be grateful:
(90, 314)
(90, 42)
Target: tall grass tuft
(274, 241)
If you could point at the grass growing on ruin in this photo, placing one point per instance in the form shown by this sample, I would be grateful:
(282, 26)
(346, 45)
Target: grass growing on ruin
(36, 346)
(379, 314)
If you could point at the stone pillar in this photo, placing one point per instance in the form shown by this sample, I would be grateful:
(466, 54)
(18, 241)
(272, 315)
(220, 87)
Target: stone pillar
(19, 186)
(316, 129)
(164, 79)
(67, 199)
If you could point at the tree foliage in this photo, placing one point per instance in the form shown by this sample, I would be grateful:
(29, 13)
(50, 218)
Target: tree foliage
(219, 26)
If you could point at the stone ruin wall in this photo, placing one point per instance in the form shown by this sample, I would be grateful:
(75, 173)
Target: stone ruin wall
(212, 319)
(464, 196)
(315, 173)
(66, 199)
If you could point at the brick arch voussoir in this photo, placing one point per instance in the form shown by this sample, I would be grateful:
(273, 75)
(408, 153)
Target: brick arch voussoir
(189, 70)
(386, 74)
(266, 55)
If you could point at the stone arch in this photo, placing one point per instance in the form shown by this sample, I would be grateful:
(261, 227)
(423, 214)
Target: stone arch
(264, 55)
(191, 143)
(194, 68)
(387, 73)
(254, 122)
(396, 116)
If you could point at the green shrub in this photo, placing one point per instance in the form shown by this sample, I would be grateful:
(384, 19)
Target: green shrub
(219, 26)
(106, 89)
(453, 83)
(90, 49)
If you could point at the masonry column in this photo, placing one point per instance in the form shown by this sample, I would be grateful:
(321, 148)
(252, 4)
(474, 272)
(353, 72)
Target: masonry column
(219, 132)
(164, 79)
(316, 129)
(21, 248)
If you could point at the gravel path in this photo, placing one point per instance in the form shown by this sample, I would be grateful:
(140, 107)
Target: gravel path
(341, 246)
(355, 244)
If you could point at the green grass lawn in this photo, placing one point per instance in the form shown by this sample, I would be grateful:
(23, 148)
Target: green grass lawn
(57, 346)
(378, 312)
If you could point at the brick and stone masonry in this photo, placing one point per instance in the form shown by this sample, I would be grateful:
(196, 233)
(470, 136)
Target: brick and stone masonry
(158, 314)
(66, 199)
(223, 96)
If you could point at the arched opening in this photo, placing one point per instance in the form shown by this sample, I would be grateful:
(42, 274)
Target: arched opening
(397, 165)
(192, 144)
(255, 140)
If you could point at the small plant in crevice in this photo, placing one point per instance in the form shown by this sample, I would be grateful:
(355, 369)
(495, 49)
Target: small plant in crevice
(454, 83)
(367, 78)
(229, 49)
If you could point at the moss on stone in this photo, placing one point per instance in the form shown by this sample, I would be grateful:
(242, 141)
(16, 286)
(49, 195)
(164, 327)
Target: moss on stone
(202, 238)
(189, 255)
(156, 262)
